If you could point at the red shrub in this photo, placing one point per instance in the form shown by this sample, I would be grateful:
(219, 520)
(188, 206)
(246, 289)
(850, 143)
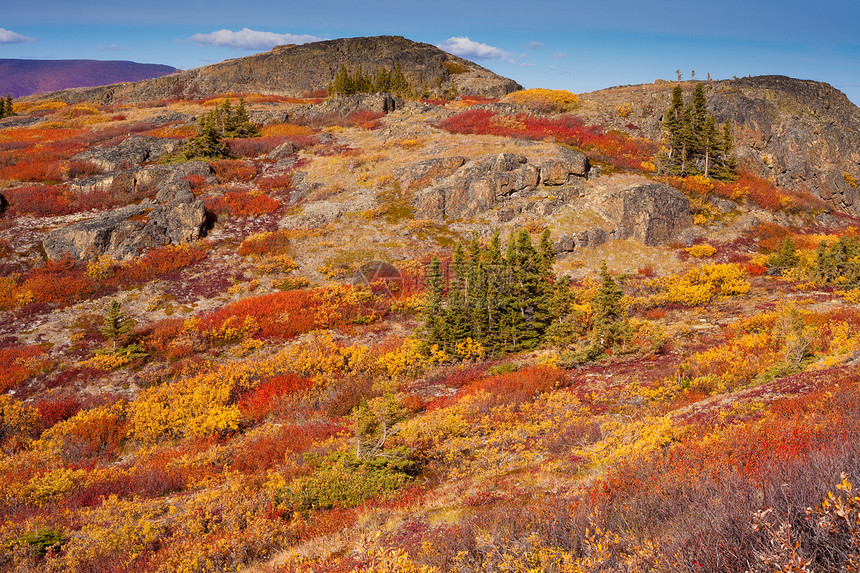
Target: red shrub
(82, 169)
(60, 282)
(268, 451)
(519, 386)
(58, 408)
(279, 315)
(159, 335)
(614, 147)
(197, 182)
(39, 200)
(258, 403)
(234, 170)
(282, 182)
(255, 146)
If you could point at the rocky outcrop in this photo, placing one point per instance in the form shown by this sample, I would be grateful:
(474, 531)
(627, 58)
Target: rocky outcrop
(452, 187)
(341, 106)
(133, 150)
(652, 213)
(175, 216)
(425, 173)
(801, 134)
(296, 70)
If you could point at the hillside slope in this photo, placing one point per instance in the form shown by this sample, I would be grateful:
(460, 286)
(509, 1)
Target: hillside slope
(25, 77)
(295, 70)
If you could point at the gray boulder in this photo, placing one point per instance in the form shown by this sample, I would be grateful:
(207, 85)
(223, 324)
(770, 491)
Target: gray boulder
(558, 171)
(133, 150)
(475, 187)
(652, 213)
(126, 232)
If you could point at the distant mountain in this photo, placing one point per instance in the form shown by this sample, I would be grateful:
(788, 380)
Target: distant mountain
(295, 70)
(24, 77)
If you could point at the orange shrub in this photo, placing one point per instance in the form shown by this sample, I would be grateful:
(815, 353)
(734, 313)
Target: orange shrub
(267, 243)
(161, 261)
(285, 129)
(242, 204)
(18, 363)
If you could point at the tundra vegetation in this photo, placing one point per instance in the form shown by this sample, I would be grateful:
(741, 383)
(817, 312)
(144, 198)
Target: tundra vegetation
(265, 399)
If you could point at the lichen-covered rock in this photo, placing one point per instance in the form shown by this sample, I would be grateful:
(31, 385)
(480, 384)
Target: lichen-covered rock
(557, 171)
(343, 106)
(123, 233)
(451, 187)
(425, 173)
(133, 150)
(652, 213)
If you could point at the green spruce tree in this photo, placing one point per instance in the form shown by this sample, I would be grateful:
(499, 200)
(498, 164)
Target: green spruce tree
(116, 324)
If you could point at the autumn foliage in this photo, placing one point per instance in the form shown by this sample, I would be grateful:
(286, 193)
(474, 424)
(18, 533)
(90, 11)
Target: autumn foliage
(613, 147)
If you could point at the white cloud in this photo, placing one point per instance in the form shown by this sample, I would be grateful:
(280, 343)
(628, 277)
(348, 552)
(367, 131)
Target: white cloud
(535, 45)
(247, 39)
(559, 55)
(10, 37)
(466, 48)
(527, 64)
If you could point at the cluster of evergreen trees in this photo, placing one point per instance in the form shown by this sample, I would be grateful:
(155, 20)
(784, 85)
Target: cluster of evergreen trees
(837, 264)
(696, 145)
(6, 107)
(503, 301)
(223, 122)
(361, 82)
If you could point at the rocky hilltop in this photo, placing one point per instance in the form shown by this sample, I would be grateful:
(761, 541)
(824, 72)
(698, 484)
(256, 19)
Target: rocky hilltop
(801, 134)
(295, 70)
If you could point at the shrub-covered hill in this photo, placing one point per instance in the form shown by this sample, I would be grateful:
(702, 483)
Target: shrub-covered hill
(297, 70)
(456, 336)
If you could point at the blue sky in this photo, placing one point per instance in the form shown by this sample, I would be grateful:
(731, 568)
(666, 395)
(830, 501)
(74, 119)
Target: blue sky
(574, 45)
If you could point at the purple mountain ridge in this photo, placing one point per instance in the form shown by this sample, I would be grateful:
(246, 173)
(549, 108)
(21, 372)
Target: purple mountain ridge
(25, 77)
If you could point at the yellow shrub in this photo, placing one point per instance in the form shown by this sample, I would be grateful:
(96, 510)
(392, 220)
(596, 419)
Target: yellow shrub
(103, 268)
(624, 110)
(16, 417)
(544, 100)
(276, 264)
(469, 349)
(198, 407)
(49, 487)
(702, 251)
(106, 361)
(702, 284)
